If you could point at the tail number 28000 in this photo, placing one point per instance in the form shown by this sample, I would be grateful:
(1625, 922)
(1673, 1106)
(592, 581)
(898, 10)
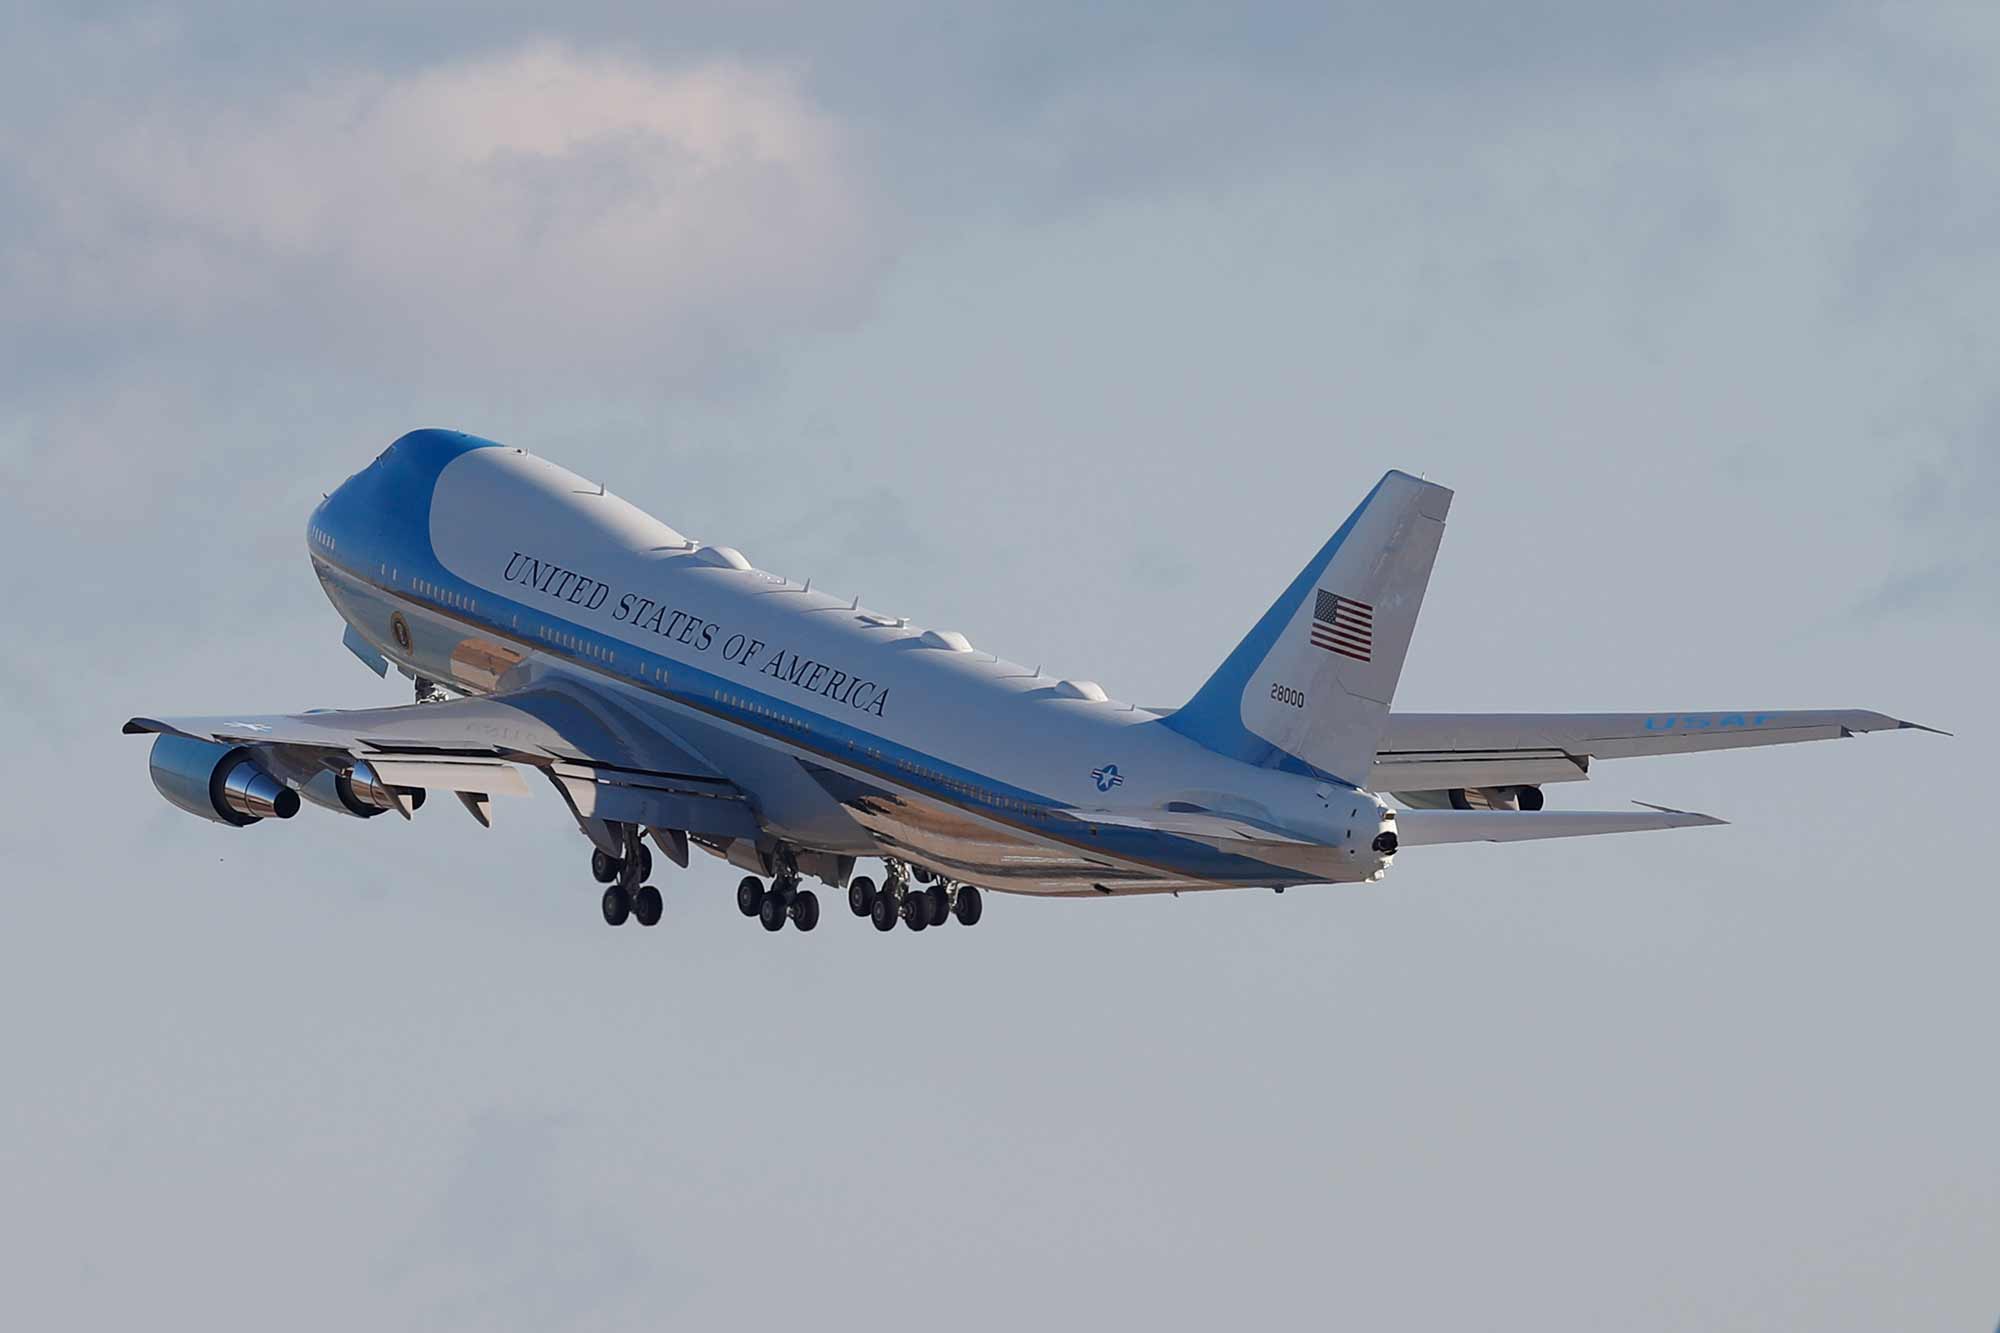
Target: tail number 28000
(1285, 694)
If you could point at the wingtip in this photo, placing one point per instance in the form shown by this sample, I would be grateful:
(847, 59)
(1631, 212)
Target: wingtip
(1702, 820)
(1905, 725)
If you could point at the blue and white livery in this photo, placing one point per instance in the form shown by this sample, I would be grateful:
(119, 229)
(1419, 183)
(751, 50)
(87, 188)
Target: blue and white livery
(675, 695)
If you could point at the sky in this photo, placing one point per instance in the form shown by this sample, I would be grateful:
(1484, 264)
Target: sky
(1077, 332)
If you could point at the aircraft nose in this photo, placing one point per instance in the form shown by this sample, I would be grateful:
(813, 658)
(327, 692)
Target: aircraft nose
(386, 505)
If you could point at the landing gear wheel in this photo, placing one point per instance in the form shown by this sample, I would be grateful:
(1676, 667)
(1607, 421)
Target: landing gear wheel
(604, 869)
(645, 861)
(940, 905)
(968, 906)
(861, 895)
(646, 905)
(883, 912)
(617, 906)
(772, 912)
(750, 896)
(805, 909)
(917, 911)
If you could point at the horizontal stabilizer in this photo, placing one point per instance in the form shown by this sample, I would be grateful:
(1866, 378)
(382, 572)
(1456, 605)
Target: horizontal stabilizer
(1434, 751)
(1423, 828)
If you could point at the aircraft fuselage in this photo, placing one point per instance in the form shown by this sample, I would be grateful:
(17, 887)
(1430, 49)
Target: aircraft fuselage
(490, 570)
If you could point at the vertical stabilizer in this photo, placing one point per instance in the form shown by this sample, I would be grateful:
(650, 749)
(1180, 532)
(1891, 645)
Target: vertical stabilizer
(1313, 680)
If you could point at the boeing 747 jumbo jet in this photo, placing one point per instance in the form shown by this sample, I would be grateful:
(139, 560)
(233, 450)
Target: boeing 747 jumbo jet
(671, 691)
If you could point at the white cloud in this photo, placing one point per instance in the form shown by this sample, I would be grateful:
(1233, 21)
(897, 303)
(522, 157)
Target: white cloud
(541, 211)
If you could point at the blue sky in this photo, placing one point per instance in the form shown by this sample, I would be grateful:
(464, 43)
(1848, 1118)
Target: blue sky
(1077, 334)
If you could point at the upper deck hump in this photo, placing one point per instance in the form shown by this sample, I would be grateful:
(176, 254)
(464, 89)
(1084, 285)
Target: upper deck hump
(534, 532)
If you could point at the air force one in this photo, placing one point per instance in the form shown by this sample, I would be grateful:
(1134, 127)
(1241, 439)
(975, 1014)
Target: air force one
(672, 692)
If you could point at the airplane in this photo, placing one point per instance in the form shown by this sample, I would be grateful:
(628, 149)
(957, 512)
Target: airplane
(674, 694)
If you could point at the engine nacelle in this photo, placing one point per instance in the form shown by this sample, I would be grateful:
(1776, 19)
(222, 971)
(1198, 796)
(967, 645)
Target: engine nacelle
(219, 782)
(360, 792)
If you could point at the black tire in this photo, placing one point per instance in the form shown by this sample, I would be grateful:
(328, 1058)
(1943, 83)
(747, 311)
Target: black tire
(646, 905)
(750, 895)
(883, 913)
(940, 905)
(861, 895)
(772, 913)
(805, 909)
(917, 911)
(645, 862)
(923, 875)
(617, 906)
(968, 907)
(604, 869)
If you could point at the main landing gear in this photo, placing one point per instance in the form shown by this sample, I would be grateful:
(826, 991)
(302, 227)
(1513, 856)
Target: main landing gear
(626, 894)
(783, 901)
(918, 908)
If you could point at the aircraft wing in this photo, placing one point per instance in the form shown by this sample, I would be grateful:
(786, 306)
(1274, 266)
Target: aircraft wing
(1439, 751)
(608, 761)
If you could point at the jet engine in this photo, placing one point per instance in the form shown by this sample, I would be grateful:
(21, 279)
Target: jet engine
(360, 791)
(219, 782)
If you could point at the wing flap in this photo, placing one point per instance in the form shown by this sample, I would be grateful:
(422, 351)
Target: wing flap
(701, 809)
(491, 777)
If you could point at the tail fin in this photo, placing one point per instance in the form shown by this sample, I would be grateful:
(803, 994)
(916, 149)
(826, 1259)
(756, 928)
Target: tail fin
(1310, 687)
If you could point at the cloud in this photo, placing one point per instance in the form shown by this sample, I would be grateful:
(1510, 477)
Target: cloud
(541, 212)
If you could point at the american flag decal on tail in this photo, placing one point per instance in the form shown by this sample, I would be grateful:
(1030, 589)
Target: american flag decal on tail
(1345, 626)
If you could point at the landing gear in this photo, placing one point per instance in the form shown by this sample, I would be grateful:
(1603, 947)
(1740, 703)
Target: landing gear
(918, 908)
(895, 899)
(617, 906)
(647, 906)
(626, 893)
(630, 870)
(968, 907)
(783, 901)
